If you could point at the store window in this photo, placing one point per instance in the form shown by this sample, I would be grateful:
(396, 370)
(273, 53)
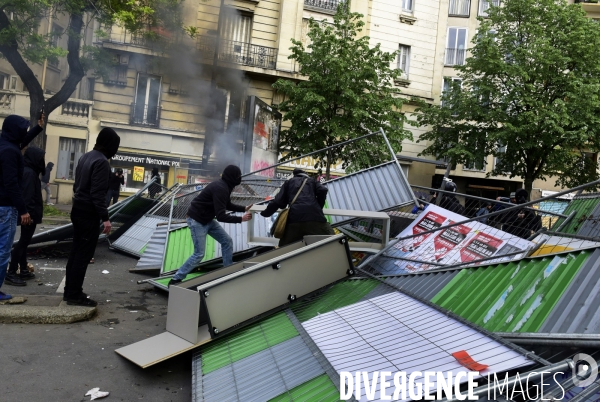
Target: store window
(70, 150)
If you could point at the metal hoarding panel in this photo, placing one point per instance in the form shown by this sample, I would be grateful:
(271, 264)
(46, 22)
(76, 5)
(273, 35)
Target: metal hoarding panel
(513, 297)
(283, 367)
(153, 254)
(270, 284)
(583, 206)
(137, 236)
(376, 189)
(577, 310)
(591, 226)
(423, 285)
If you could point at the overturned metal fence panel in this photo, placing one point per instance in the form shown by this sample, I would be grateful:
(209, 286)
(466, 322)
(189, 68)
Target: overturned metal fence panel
(134, 240)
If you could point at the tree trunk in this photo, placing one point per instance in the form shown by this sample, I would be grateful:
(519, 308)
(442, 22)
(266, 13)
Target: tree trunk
(528, 183)
(37, 102)
(328, 167)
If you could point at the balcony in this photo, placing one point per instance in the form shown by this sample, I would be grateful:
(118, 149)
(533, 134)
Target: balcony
(235, 52)
(144, 115)
(329, 6)
(455, 57)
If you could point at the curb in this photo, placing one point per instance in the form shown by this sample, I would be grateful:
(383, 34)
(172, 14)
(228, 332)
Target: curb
(61, 314)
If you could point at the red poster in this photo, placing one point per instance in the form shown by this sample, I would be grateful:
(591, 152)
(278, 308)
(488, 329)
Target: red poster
(448, 239)
(430, 221)
(480, 246)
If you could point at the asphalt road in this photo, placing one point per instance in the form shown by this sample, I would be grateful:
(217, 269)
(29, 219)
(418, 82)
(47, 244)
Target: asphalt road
(63, 362)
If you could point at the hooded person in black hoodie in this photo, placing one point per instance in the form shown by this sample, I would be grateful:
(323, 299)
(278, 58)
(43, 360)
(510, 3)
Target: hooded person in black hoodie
(14, 138)
(89, 208)
(32, 195)
(213, 201)
(521, 222)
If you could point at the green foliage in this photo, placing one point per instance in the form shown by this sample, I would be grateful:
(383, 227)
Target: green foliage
(49, 210)
(349, 92)
(532, 84)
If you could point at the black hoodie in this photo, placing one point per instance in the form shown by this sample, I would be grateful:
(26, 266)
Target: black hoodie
(46, 175)
(14, 137)
(32, 187)
(215, 199)
(91, 176)
(308, 207)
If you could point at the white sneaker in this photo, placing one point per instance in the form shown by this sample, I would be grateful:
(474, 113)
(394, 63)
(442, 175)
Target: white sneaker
(49, 203)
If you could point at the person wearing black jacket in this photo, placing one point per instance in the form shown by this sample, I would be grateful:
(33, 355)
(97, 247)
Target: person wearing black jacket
(449, 201)
(154, 187)
(32, 195)
(46, 182)
(522, 222)
(14, 138)
(115, 181)
(89, 209)
(213, 201)
(306, 214)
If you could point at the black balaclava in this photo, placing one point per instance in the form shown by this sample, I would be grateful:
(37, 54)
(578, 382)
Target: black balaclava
(232, 175)
(107, 142)
(298, 172)
(14, 129)
(521, 196)
(154, 171)
(34, 158)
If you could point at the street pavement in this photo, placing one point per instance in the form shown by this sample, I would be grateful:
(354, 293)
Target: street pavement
(49, 362)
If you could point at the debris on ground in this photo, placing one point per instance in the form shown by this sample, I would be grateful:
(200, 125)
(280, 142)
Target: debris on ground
(95, 393)
(105, 272)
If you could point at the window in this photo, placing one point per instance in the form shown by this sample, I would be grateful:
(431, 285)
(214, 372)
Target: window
(70, 150)
(407, 5)
(118, 73)
(235, 37)
(145, 110)
(485, 4)
(404, 60)
(477, 164)
(448, 82)
(459, 8)
(501, 149)
(456, 46)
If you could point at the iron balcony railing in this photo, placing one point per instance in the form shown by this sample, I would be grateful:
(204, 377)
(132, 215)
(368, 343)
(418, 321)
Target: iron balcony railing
(455, 57)
(143, 115)
(323, 4)
(236, 52)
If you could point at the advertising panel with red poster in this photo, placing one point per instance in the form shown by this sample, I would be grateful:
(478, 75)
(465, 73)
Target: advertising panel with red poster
(480, 246)
(448, 239)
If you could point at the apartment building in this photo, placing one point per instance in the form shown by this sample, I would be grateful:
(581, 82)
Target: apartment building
(166, 101)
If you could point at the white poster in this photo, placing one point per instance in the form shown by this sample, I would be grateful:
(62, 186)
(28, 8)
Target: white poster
(459, 244)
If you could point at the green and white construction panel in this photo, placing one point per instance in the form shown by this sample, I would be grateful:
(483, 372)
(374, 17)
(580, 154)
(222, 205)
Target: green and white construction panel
(285, 357)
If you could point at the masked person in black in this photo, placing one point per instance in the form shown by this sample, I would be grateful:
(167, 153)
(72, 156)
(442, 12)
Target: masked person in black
(89, 209)
(450, 202)
(522, 222)
(306, 213)
(213, 201)
(32, 195)
(115, 181)
(154, 187)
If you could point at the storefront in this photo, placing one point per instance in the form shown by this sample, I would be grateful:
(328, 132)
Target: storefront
(137, 169)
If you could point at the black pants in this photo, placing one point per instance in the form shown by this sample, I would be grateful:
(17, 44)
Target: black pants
(296, 231)
(112, 194)
(86, 230)
(18, 257)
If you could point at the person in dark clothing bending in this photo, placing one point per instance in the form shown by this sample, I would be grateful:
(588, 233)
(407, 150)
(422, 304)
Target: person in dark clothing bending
(46, 182)
(32, 195)
(522, 222)
(306, 214)
(14, 138)
(154, 187)
(213, 201)
(115, 181)
(89, 208)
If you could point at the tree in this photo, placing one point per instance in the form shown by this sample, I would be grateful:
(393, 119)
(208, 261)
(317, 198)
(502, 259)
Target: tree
(349, 92)
(529, 95)
(21, 43)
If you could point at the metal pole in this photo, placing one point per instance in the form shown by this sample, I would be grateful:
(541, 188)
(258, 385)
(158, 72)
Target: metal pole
(312, 153)
(168, 229)
(474, 197)
(397, 163)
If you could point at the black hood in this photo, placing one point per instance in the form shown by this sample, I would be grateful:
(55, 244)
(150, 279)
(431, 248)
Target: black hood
(34, 159)
(14, 129)
(154, 172)
(298, 172)
(232, 175)
(50, 165)
(107, 142)
(521, 196)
